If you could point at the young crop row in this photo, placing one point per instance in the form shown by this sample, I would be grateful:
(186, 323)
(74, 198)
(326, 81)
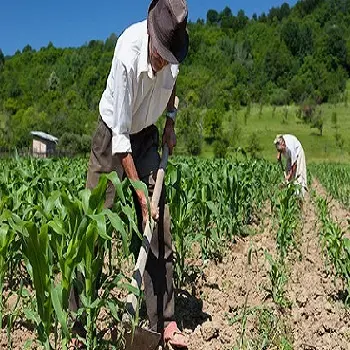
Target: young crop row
(271, 331)
(287, 209)
(212, 202)
(335, 245)
(52, 229)
(336, 179)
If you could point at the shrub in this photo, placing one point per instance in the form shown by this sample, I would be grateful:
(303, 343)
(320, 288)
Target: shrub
(220, 147)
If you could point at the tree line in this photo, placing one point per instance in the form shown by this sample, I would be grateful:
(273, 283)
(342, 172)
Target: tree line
(288, 55)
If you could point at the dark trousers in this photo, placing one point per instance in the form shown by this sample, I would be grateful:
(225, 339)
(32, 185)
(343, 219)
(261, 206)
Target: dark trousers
(158, 276)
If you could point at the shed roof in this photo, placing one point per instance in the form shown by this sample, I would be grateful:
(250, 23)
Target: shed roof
(44, 136)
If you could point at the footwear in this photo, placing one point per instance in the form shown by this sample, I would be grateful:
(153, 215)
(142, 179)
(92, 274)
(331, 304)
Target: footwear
(174, 337)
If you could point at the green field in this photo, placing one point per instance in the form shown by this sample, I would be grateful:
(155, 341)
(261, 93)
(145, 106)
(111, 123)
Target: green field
(317, 148)
(271, 121)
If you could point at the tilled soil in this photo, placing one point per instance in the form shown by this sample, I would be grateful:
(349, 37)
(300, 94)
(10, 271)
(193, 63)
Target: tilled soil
(316, 319)
(318, 316)
(338, 212)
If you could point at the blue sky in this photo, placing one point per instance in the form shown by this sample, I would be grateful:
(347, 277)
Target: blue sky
(73, 23)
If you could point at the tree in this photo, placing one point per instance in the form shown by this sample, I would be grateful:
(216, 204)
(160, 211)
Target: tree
(339, 140)
(273, 13)
(298, 38)
(24, 121)
(212, 125)
(334, 46)
(284, 11)
(278, 64)
(254, 147)
(110, 42)
(213, 17)
(189, 130)
(2, 60)
(220, 147)
(317, 122)
(53, 82)
(263, 17)
(27, 48)
(226, 12)
(233, 62)
(334, 119)
(241, 19)
(305, 7)
(226, 18)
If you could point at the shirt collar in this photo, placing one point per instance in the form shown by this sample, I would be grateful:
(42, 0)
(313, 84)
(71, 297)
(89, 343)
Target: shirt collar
(144, 64)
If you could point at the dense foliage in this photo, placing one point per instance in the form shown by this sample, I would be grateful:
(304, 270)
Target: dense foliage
(287, 55)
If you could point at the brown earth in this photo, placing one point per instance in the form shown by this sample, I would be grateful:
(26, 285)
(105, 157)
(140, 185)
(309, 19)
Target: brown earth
(338, 211)
(317, 318)
(228, 303)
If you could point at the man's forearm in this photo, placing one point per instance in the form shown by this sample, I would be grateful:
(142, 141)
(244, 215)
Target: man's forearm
(129, 167)
(171, 102)
(128, 164)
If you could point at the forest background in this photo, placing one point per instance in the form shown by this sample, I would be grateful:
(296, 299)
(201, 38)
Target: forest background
(244, 80)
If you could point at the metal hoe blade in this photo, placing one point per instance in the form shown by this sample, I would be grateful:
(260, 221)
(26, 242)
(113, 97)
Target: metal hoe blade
(142, 339)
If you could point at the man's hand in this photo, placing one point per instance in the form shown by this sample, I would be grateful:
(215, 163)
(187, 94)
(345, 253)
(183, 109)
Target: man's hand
(129, 166)
(169, 136)
(144, 208)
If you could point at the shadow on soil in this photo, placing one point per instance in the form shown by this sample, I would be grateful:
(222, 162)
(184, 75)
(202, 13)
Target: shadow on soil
(189, 310)
(341, 295)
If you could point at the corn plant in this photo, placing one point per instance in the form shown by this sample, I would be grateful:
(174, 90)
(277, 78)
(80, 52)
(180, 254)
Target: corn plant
(335, 245)
(278, 278)
(336, 179)
(269, 331)
(6, 238)
(286, 204)
(57, 228)
(181, 207)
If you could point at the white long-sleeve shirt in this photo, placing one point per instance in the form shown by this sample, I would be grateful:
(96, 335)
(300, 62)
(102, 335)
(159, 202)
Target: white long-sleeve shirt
(134, 97)
(295, 154)
(293, 148)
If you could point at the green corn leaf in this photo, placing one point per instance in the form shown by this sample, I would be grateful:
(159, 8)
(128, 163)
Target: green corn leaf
(113, 310)
(32, 316)
(57, 226)
(113, 177)
(130, 289)
(51, 201)
(98, 194)
(118, 225)
(100, 220)
(128, 211)
(85, 200)
(36, 250)
(56, 297)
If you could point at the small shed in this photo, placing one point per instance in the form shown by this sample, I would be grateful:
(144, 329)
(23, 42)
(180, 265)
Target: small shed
(43, 144)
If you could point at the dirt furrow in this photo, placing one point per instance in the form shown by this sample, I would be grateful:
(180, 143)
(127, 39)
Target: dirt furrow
(318, 317)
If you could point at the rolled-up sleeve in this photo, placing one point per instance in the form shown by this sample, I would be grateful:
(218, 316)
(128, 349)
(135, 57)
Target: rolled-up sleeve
(122, 110)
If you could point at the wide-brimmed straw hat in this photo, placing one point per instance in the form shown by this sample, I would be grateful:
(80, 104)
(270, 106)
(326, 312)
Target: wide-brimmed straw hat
(166, 22)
